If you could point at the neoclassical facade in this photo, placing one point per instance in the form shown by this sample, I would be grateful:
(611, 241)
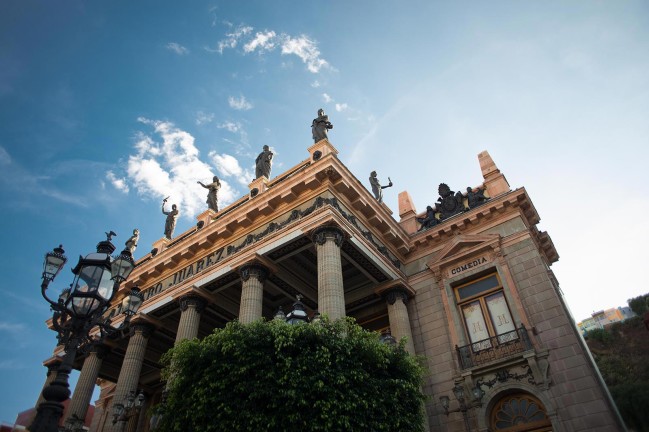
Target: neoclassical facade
(467, 283)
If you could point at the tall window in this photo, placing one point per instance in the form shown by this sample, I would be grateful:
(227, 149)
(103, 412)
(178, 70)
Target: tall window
(485, 311)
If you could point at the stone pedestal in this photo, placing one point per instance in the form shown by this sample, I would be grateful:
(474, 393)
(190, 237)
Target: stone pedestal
(206, 217)
(258, 186)
(161, 245)
(321, 149)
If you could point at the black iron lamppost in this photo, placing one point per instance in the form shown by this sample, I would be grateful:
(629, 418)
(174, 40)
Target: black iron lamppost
(78, 311)
(458, 391)
(298, 315)
(130, 407)
(387, 338)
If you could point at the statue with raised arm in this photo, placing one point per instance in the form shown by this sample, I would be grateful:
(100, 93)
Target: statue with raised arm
(172, 215)
(131, 243)
(377, 189)
(264, 163)
(213, 194)
(320, 126)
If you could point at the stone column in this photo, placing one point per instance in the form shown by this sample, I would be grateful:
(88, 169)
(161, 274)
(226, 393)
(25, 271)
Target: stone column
(129, 374)
(331, 294)
(86, 383)
(191, 307)
(396, 299)
(252, 292)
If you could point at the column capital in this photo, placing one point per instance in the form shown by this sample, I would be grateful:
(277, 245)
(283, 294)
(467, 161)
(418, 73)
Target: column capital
(321, 234)
(397, 293)
(254, 269)
(192, 300)
(144, 328)
(100, 350)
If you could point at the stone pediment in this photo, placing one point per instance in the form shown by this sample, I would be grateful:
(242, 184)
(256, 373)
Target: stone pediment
(462, 245)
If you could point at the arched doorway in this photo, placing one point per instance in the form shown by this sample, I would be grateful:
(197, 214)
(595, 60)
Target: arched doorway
(519, 412)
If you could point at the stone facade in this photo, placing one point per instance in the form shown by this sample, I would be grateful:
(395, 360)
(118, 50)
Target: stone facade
(472, 293)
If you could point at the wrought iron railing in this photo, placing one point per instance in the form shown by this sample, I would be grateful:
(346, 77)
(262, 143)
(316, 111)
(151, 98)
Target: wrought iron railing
(495, 348)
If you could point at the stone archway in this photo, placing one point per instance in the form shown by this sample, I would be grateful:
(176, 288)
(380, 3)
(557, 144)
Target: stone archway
(519, 412)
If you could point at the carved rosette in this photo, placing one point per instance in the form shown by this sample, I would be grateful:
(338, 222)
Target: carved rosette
(322, 234)
(192, 300)
(141, 327)
(394, 294)
(256, 270)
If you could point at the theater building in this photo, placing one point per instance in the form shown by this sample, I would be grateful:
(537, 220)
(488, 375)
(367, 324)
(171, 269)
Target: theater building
(467, 283)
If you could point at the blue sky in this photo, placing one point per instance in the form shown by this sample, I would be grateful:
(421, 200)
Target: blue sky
(108, 107)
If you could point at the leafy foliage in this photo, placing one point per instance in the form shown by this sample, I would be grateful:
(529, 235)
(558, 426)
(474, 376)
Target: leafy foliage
(622, 355)
(272, 376)
(639, 305)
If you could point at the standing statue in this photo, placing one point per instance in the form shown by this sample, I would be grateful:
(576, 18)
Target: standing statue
(131, 243)
(264, 163)
(170, 223)
(213, 194)
(320, 125)
(377, 189)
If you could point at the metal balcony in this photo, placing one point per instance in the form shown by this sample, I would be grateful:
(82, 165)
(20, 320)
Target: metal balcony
(494, 348)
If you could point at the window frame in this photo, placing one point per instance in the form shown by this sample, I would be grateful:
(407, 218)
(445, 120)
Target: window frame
(481, 298)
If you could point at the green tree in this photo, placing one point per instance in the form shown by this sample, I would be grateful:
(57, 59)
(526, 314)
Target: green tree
(639, 305)
(622, 355)
(272, 376)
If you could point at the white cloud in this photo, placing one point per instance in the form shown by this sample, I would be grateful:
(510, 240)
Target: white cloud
(341, 107)
(119, 183)
(230, 126)
(302, 46)
(263, 41)
(177, 48)
(170, 166)
(326, 97)
(315, 84)
(12, 364)
(11, 327)
(306, 50)
(5, 159)
(204, 118)
(232, 39)
(240, 104)
(229, 166)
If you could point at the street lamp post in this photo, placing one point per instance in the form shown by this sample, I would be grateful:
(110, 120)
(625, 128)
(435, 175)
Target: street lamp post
(458, 391)
(131, 406)
(78, 311)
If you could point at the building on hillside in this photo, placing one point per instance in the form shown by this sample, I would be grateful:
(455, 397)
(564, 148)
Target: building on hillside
(601, 319)
(467, 283)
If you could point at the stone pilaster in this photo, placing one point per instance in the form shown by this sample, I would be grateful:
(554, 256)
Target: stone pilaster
(129, 375)
(398, 315)
(252, 292)
(86, 383)
(191, 307)
(331, 293)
